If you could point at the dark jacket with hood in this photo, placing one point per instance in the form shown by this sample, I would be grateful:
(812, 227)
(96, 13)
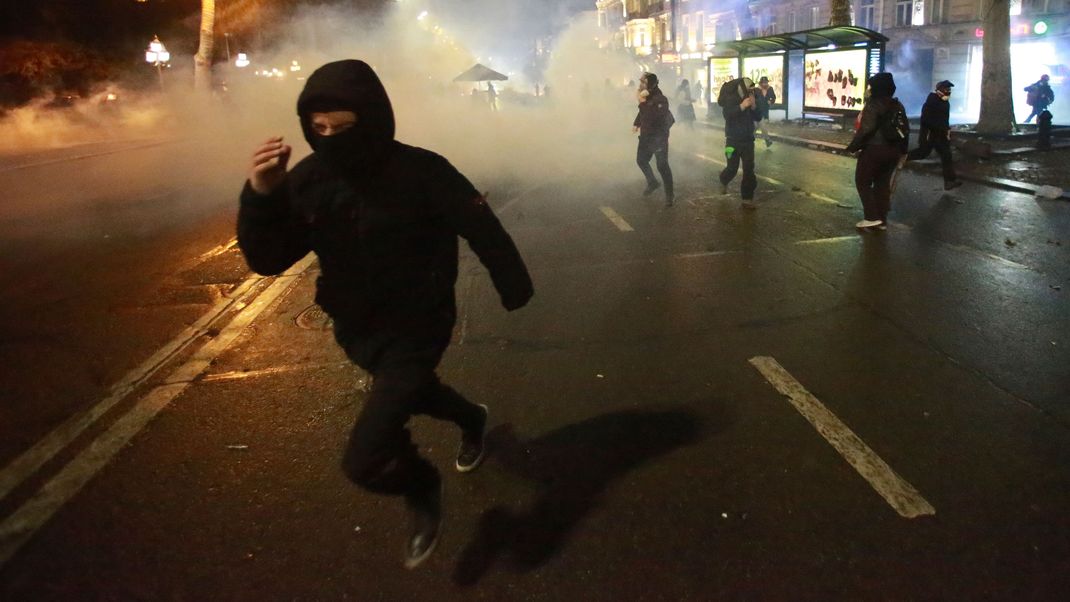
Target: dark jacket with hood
(382, 217)
(936, 114)
(654, 118)
(738, 122)
(878, 108)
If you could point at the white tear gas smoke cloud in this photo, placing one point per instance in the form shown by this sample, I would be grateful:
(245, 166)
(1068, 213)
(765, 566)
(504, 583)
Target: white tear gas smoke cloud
(583, 126)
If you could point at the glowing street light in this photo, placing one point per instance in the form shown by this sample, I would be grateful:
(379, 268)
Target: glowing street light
(422, 16)
(295, 67)
(242, 61)
(158, 56)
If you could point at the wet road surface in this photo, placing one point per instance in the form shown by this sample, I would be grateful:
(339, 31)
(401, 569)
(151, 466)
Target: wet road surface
(700, 403)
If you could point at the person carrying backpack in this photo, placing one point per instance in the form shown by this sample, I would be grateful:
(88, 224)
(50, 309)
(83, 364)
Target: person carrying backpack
(1039, 96)
(936, 132)
(881, 140)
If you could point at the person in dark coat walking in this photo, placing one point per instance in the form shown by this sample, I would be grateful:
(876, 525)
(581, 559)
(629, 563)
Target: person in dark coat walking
(653, 122)
(935, 132)
(685, 104)
(739, 105)
(879, 155)
(1039, 96)
(383, 219)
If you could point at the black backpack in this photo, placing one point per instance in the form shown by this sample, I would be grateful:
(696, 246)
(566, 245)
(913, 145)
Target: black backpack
(895, 127)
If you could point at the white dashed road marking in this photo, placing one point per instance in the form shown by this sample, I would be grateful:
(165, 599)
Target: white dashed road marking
(617, 220)
(900, 495)
(822, 241)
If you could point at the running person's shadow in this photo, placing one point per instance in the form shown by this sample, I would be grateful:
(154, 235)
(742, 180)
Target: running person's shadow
(573, 465)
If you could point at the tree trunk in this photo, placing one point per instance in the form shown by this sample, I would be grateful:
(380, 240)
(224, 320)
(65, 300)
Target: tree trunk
(202, 63)
(841, 13)
(997, 102)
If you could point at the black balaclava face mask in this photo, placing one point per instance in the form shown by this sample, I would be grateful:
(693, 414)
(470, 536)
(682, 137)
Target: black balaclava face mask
(349, 86)
(355, 151)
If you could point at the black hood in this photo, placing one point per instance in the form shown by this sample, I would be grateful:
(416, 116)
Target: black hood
(882, 85)
(348, 85)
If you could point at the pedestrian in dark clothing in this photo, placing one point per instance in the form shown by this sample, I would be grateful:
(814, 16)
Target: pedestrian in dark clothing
(653, 122)
(739, 105)
(1039, 96)
(935, 132)
(880, 154)
(766, 97)
(685, 104)
(383, 218)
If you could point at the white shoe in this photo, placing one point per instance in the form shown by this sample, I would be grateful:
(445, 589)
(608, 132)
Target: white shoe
(868, 223)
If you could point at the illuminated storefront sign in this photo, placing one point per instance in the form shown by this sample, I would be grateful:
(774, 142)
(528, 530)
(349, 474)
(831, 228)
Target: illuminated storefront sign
(722, 70)
(835, 80)
(1020, 29)
(771, 66)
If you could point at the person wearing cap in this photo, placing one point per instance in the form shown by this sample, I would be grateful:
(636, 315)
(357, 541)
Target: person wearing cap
(652, 123)
(383, 219)
(879, 154)
(1039, 96)
(766, 97)
(739, 106)
(935, 132)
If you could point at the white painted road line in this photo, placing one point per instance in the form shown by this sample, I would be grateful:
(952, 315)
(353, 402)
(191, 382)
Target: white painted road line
(617, 220)
(823, 241)
(44, 450)
(21, 525)
(901, 495)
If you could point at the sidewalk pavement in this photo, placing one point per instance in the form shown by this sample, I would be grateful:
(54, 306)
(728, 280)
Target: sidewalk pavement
(1012, 167)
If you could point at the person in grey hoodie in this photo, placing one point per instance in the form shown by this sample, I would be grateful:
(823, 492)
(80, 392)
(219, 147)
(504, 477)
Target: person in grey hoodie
(383, 219)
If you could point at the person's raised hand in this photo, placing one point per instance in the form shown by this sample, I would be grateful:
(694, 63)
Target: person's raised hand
(268, 170)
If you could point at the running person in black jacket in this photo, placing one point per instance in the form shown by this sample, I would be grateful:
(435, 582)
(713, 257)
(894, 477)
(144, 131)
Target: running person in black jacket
(936, 132)
(653, 122)
(739, 105)
(383, 219)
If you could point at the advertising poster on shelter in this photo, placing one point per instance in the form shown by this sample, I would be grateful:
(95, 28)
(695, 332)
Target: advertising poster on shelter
(756, 67)
(835, 80)
(722, 70)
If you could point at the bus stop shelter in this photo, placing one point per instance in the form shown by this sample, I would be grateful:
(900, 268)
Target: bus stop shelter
(813, 72)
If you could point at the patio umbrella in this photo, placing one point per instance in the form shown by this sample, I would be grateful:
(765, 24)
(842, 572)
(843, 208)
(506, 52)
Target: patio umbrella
(480, 73)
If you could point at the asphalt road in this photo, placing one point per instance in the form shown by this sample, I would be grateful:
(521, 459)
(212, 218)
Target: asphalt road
(642, 446)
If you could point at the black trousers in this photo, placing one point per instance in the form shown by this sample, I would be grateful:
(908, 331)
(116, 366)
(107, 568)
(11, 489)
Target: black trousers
(873, 179)
(744, 154)
(659, 149)
(380, 456)
(929, 140)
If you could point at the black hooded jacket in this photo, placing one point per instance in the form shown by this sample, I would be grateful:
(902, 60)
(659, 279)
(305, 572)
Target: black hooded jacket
(877, 109)
(936, 114)
(738, 123)
(385, 232)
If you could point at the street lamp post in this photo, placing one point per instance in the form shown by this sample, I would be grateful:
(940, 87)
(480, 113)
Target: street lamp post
(157, 55)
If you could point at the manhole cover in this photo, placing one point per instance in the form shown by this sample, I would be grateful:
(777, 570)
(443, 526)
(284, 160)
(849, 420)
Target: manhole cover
(313, 318)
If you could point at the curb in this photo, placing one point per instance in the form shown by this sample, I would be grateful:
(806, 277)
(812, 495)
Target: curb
(837, 149)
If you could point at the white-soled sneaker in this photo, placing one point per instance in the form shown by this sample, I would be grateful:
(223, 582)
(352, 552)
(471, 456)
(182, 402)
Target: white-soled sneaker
(868, 223)
(473, 447)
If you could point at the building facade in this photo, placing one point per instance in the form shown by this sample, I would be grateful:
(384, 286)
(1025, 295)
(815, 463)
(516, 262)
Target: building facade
(930, 40)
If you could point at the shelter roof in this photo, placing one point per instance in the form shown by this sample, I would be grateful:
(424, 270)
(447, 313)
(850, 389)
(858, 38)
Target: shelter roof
(811, 39)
